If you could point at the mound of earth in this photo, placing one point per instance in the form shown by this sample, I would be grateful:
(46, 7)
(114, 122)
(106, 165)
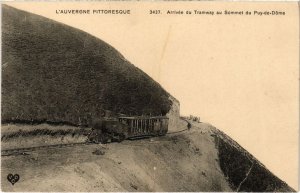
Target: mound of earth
(55, 73)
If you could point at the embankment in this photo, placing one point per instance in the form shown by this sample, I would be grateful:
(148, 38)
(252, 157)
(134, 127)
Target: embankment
(244, 172)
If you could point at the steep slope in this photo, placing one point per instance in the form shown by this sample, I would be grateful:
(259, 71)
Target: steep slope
(53, 72)
(244, 172)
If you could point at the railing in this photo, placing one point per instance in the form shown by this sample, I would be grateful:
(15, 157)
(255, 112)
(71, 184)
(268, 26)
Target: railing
(143, 125)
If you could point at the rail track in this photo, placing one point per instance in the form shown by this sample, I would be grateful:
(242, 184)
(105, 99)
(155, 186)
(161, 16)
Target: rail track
(22, 151)
(177, 131)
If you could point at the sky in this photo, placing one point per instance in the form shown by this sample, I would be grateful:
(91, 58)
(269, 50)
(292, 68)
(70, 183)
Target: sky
(239, 73)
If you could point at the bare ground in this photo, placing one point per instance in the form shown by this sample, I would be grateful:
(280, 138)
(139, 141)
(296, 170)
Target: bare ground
(180, 161)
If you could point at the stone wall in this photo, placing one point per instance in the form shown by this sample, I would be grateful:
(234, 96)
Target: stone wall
(174, 113)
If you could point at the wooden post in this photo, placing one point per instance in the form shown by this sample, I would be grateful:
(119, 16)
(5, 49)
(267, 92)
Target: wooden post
(147, 125)
(140, 125)
(137, 125)
(134, 125)
(144, 131)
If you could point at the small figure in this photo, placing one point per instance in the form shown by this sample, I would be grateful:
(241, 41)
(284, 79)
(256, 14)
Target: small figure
(189, 125)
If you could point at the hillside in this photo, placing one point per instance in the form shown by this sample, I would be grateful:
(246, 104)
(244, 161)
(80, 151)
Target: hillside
(185, 161)
(55, 73)
(199, 159)
(244, 172)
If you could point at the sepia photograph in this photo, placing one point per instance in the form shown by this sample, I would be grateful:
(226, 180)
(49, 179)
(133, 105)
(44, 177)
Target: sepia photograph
(149, 96)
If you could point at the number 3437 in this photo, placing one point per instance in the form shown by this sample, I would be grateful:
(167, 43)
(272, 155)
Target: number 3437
(155, 12)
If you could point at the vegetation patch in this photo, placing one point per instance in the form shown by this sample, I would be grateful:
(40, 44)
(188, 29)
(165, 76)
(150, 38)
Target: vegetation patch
(243, 171)
(56, 73)
(38, 132)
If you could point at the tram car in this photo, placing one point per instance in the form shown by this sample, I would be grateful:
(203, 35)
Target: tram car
(121, 128)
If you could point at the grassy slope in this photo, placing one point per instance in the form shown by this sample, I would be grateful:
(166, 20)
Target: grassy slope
(15, 136)
(244, 172)
(52, 72)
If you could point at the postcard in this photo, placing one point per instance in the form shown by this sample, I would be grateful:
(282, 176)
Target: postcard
(149, 96)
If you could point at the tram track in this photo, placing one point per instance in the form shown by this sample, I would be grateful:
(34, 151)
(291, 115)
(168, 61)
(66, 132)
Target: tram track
(174, 132)
(8, 152)
(22, 151)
